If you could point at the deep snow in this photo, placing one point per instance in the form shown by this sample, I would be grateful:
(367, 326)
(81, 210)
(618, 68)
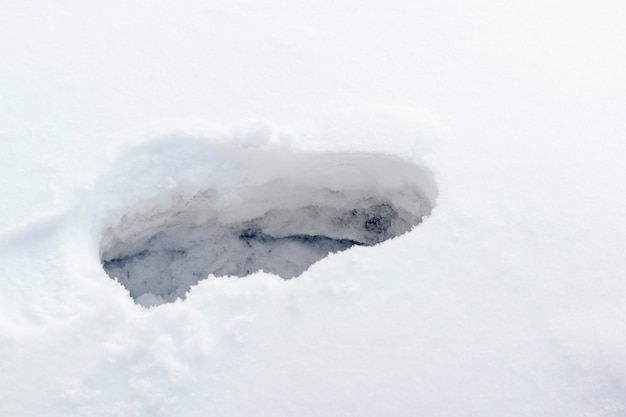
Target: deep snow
(507, 299)
(232, 211)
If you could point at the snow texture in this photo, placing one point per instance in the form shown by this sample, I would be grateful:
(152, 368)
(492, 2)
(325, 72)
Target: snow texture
(147, 129)
(278, 211)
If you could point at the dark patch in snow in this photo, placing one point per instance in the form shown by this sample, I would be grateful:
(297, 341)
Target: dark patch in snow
(380, 219)
(167, 263)
(269, 210)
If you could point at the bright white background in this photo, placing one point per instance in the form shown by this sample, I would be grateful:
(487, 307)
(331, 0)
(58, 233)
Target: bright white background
(509, 300)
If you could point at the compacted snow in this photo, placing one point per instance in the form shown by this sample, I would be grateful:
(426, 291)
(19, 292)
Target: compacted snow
(265, 208)
(312, 208)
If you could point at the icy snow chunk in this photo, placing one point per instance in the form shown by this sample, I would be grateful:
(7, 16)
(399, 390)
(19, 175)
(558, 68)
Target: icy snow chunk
(238, 210)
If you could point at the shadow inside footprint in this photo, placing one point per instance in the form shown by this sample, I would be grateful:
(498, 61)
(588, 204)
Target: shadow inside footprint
(280, 225)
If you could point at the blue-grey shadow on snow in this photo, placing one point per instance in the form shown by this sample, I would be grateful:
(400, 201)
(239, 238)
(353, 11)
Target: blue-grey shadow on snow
(232, 210)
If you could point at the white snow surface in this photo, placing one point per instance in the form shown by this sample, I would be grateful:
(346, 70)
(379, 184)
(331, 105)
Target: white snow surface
(499, 125)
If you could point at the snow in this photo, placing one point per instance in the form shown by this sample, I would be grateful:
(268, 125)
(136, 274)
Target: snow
(213, 208)
(494, 131)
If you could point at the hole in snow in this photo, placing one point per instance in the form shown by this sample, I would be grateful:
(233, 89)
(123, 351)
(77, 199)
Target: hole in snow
(281, 213)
